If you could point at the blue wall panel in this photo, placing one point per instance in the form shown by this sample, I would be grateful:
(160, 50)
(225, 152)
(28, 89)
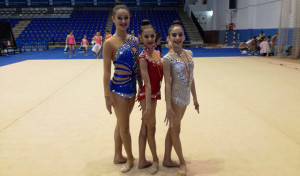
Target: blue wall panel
(62, 2)
(17, 2)
(148, 3)
(39, 2)
(129, 2)
(169, 2)
(105, 3)
(84, 2)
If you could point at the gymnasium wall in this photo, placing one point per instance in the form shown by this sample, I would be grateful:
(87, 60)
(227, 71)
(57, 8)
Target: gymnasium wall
(250, 17)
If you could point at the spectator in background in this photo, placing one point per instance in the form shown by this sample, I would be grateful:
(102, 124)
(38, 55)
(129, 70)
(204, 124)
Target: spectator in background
(107, 34)
(2, 47)
(243, 46)
(71, 42)
(262, 34)
(273, 42)
(97, 47)
(132, 33)
(158, 41)
(269, 38)
(93, 42)
(84, 44)
(252, 45)
(264, 47)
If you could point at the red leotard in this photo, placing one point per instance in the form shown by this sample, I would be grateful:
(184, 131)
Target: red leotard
(155, 71)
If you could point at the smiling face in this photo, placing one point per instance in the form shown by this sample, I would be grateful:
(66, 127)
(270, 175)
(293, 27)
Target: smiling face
(177, 37)
(148, 37)
(121, 19)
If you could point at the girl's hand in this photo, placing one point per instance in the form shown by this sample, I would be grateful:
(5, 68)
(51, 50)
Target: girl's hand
(146, 115)
(137, 96)
(169, 117)
(196, 104)
(108, 104)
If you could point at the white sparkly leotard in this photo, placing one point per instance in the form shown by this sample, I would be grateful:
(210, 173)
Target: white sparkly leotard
(179, 72)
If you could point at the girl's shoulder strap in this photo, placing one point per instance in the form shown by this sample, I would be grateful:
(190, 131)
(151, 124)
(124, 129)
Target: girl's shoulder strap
(189, 53)
(158, 52)
(167, 57)
(142, 55)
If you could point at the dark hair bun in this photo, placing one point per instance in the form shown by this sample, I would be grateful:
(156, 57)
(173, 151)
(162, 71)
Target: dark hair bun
(176, 22)
(118, 3)
(145, 22)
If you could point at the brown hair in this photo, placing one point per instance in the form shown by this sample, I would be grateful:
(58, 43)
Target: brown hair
(175, 23)
(144, 25)
(119, 5)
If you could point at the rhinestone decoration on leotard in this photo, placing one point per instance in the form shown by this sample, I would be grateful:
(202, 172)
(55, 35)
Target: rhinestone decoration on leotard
(124, 79)
(180, 89)
(155, 72)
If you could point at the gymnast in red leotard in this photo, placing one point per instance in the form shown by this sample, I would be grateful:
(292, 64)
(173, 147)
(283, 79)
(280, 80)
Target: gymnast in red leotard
(152, 74)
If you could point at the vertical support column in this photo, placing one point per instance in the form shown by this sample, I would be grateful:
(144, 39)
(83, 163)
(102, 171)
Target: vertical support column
(214, 17)
(226, 35)
(233, 41)
(6, 3)
(73, 2)
(51, 2)
(297, 30)
(159, 2)
(251, 17)
(28, 2)
(95, 2)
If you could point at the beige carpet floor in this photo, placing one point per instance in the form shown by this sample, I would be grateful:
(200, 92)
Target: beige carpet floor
(53, 120)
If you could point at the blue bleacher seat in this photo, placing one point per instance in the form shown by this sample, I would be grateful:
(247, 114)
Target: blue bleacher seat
(91, 21)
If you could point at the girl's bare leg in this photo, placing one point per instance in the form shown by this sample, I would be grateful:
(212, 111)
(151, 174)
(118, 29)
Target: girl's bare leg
(118, 158)
(175, 132)
(255, 50)
(98, 55)
(70, 48)
(143, 163)
(151, 128)
(122, 107)
(167, 162)
(73, 49)
(85, 51)
(249, 49)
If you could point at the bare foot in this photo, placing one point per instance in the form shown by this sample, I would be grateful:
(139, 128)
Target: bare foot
(126, 167)
(170, 163)
(154, 168)
(182, 170)
(144, 164)
(120, 160)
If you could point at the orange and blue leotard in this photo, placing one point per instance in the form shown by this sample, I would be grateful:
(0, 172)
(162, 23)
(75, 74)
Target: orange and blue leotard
(126, 71)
